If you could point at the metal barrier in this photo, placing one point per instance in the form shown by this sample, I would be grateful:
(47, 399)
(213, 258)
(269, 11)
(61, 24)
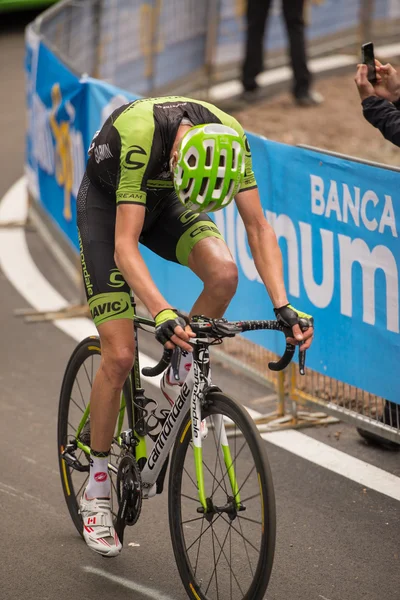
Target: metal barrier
(156, 46)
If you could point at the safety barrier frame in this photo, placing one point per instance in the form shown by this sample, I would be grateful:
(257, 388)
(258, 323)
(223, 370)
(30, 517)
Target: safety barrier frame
(288, 386)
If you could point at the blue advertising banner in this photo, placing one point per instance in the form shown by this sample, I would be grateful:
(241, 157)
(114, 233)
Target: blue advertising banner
(337, 223)
(55, 140)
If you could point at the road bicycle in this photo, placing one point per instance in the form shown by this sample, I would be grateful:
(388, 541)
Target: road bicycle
(221, 502)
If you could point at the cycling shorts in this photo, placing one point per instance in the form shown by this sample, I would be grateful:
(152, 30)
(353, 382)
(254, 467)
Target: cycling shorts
(170, 230)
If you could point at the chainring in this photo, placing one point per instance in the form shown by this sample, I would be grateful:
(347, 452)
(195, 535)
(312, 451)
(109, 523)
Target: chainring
(129, 490)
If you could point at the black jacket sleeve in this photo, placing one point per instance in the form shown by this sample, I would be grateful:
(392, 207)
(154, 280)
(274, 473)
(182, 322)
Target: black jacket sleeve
(385, 116)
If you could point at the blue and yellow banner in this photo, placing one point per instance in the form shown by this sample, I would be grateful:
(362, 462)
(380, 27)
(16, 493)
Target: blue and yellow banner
(337, 222)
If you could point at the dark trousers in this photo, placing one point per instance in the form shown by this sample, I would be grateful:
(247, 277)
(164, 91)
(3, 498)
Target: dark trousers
(257, 14)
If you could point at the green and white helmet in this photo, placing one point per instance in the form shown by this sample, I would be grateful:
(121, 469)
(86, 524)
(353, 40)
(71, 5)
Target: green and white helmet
(210, 166)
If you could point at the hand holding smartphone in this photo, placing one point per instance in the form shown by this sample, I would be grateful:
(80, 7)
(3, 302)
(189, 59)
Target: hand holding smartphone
(368, 58)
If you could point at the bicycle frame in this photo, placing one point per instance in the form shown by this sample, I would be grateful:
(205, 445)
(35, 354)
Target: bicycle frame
(192, 392)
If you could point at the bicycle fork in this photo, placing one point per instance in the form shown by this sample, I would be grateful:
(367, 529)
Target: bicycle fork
(200, 380)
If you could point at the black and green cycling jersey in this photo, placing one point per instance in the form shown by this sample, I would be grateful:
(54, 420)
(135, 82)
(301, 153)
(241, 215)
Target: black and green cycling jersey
(129, 164)
(130, 155)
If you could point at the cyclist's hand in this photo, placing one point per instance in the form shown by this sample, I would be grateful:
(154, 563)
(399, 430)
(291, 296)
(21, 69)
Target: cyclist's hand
(172, 329)
(301, 324)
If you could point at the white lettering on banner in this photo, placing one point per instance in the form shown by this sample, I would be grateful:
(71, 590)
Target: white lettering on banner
(358, 208)
(43, 150)
(284, 227)
(380, 257)
(58, 147)
(332, 204)
(388, 218)
(319, 294)
(246, 260)
(369, 196)
(349, 205)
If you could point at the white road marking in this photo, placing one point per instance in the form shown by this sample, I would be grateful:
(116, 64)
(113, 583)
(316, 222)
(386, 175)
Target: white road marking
(316, 65)
(130, 585)
(19, 268)
(336, 461)
(17, 264)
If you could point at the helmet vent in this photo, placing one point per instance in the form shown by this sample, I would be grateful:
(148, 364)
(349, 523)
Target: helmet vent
(186, 190)
(192, 160)
(219, 183)
(222, 160)
(203, 186)
(208, 157)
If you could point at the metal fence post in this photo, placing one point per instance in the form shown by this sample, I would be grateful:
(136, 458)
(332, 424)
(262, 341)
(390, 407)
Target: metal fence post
(367, 8)
(213, 12)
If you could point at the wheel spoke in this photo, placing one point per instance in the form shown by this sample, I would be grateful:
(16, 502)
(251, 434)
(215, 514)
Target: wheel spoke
(218, 457)
(229, 564)
(80, 390)
(192, 520)
(88, 378)
(190, 498)
(248, 519)
(190, 477)
(219, 556)
(201, 534)
(80, 489)
(233, 463)
(245, 481)
(248, 498)
(241, 534)
(245, 547)
(77, 405)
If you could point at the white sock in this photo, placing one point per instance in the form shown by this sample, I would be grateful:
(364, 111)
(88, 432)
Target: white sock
(99, 480)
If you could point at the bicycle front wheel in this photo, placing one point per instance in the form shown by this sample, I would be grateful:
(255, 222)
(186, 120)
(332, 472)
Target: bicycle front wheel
(227, 551)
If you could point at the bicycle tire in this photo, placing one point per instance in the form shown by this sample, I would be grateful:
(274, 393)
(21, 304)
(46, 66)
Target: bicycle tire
(218, 403)
(86, 348)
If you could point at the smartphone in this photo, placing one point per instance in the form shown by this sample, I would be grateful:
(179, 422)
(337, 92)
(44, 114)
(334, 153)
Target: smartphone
(368, 58)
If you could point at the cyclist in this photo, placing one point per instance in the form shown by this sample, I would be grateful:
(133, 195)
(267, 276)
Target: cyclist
(155, 169)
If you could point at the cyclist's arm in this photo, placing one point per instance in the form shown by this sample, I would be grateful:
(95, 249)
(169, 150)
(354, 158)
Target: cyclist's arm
(129, 260)
(128, 227)
(263, 244)
(266, 253)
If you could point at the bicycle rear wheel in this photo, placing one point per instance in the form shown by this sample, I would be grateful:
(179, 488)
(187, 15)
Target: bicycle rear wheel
(228, 552)
(74, 413)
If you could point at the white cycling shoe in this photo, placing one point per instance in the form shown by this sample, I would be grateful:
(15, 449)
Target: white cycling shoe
(171, 391)
(98, 528)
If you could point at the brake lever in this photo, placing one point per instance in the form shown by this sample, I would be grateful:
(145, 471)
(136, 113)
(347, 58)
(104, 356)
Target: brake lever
(175, 361)
(302, 362)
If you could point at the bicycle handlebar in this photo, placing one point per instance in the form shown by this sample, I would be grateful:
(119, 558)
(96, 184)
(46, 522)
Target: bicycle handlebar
(220, 328)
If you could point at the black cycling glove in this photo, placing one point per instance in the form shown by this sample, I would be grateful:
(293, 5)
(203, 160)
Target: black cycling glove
(166, 321)
(289, 316)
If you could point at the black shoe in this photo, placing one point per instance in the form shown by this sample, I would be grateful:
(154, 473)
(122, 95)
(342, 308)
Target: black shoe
(312, 98)
(251, 91)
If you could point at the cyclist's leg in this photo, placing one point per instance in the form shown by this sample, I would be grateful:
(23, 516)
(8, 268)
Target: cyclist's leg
(109, 300)
(211, 260)
(192, 239)
(117, 356)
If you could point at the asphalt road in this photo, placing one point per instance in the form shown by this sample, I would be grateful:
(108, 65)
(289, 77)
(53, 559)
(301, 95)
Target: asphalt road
(336, 540)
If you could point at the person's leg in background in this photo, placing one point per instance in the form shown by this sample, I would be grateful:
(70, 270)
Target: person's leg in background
(256, 19)
(293, 13)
